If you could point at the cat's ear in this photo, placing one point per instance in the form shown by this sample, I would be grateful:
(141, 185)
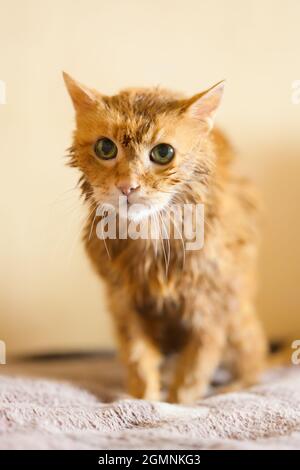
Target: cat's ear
(82, 96)
(203, 106)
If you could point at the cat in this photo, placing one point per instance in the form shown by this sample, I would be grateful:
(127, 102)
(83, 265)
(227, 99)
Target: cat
(156, 147)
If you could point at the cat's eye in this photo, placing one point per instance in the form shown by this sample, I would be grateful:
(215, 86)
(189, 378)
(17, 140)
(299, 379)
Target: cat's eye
(162, 154)
(105, 149)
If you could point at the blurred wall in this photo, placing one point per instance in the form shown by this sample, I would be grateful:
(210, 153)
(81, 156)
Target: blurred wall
(49, 296)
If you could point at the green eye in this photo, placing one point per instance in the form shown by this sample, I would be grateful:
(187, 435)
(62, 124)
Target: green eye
(105, 149)
(162, 154)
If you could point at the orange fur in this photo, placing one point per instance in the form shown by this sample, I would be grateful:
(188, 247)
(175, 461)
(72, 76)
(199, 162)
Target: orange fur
(203, 307)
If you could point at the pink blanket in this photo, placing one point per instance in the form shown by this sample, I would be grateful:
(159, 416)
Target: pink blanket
(49, 414)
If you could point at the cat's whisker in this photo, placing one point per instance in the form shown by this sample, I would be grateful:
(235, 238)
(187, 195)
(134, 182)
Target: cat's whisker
(73, 208)
(158, 231)
(66, 195)
(153, 240)
(162, 243)
(101, 207)
(82, 223)
(104, 209)
(180, 234)
(168, 242)
(94, 218)
(105, 244)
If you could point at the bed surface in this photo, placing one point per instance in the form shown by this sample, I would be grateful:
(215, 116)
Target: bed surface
(79, 404)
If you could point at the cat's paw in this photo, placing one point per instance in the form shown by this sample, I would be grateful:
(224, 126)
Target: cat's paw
(186, 395)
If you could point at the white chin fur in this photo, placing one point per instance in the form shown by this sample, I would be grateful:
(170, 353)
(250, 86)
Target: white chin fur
(134, 212)
(137, 212)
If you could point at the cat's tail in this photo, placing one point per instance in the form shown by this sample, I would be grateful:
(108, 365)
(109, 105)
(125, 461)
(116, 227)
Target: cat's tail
(282, 353)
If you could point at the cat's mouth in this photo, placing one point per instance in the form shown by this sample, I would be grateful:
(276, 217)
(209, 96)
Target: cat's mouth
(133, 207)
(132, 211)
(139, 212)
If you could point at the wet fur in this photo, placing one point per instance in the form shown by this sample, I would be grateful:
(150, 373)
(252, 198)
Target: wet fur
(203, 306)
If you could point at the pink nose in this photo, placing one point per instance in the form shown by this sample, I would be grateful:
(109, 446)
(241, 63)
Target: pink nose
(127, 188)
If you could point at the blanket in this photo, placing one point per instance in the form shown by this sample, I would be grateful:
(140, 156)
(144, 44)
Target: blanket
(89, 410)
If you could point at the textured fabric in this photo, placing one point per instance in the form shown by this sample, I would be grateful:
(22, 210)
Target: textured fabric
(47, 414)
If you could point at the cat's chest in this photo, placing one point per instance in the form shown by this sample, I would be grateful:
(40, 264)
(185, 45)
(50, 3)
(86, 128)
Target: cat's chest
(158, 283)
(158, 292)
(160, 310)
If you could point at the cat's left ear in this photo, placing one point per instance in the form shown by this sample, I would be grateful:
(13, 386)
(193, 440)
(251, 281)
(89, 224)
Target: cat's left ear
(203, 106)
(82, 96)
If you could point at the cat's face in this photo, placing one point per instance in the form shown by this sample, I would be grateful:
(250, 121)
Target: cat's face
(142, 144)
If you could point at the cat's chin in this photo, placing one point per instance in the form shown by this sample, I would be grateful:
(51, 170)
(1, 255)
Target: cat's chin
(132, 212)
(137, 213)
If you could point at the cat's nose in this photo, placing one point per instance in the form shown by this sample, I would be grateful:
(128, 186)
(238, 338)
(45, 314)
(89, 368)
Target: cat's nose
(127, 187)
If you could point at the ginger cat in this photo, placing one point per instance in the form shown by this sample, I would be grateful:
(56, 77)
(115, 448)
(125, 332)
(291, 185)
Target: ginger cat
(155, 147)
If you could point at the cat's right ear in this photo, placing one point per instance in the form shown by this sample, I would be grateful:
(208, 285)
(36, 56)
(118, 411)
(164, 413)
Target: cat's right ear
(82, 96)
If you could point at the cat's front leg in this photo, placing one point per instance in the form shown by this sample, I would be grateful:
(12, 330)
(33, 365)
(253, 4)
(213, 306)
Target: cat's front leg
(141, 358)
(197, 364)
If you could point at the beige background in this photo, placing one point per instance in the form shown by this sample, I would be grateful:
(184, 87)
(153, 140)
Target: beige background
(49, 297)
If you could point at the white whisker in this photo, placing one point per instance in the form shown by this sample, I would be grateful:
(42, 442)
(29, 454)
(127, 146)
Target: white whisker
(168, 242)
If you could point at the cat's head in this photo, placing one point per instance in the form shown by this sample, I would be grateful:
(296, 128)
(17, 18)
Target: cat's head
(145, 144)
